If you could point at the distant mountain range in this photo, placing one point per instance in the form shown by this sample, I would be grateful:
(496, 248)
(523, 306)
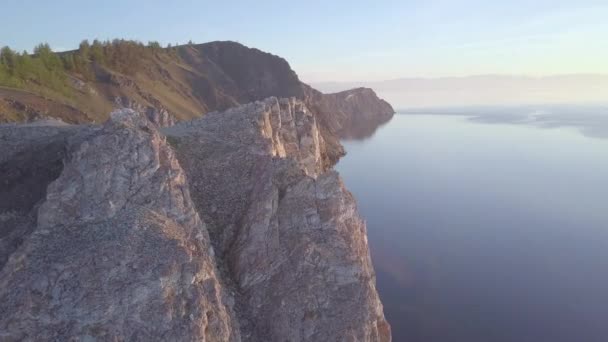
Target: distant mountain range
(484, 90)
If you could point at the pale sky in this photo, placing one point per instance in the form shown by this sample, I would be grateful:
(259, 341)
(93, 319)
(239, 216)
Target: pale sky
(343, 40)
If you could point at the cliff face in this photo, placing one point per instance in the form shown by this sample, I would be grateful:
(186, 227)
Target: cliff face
(117, 250)
(283, 223)
(356, 113)
(228, 227)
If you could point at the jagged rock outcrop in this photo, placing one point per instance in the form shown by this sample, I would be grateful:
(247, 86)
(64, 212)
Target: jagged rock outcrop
(228, 227)
(158, 116)
(31, 157)
(354, 114)
(285, 227)
(250, 74)
(118, 251)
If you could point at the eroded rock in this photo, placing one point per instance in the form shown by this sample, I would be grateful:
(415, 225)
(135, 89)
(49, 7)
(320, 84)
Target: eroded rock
(285, 227)
(119, 252)
(228, 227)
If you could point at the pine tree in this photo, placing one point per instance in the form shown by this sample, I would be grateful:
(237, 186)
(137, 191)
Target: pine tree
(8, 58)
(24, 66)
(154, 45)
(68, 62)
(51, 61)
(84, 49)
(97, 53)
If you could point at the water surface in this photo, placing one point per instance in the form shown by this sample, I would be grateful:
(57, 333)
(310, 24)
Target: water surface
(486, 230)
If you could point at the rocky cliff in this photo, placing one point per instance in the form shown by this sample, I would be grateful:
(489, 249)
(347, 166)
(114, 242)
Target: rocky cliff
(225, 228)
(351, 114)
(116, 249)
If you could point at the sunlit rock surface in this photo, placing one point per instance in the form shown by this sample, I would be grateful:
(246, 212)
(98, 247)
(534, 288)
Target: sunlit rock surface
(226, 228)
(118, 252)
(287, 230)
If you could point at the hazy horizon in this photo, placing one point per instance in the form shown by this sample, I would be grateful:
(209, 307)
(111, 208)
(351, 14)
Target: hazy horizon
(342, 40)
(489, 228)
(484, 90)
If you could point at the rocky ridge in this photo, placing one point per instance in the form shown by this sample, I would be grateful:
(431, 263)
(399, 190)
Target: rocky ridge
(191, 80)
(356, 113)
(117, 251)
(225, 228)
(283, 223)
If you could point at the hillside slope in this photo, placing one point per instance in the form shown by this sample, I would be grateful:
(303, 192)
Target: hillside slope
(188, 81)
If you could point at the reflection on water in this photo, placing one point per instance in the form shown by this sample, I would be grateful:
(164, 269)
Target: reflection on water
(591, 120)
(485, 232)
(363, 129)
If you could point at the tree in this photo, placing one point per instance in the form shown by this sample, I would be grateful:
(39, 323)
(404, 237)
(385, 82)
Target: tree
(84, 49)
(25, 66)
(8, 58)
(154, 45)
(68, 61)
(50, 60)
(97, 53)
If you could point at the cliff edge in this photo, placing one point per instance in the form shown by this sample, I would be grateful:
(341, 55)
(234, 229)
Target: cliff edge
(225, 228)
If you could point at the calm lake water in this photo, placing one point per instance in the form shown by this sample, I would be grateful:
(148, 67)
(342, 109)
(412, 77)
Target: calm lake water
(486, 229)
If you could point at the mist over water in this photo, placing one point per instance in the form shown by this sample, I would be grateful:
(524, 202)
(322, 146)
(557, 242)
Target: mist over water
(487, 227)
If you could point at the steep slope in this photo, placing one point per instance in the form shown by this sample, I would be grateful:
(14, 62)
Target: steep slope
(226, 227)
(117, 251)
(188, 81)
(31, 157)
(283, 223)
(351, 114)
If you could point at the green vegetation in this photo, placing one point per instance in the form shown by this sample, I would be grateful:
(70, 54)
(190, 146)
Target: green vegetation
(43, 67)
(47, 69)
